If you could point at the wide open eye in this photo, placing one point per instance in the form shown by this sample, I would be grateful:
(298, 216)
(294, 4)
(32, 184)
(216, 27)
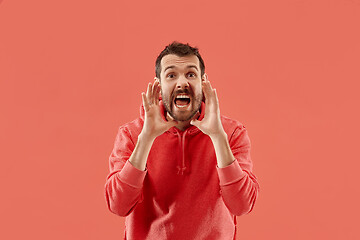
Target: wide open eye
(191, 75)
(170, 75)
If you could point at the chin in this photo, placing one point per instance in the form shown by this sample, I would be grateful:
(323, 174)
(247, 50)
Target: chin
(182, 117)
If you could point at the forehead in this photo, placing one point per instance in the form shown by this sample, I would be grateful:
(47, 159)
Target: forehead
(179, 62)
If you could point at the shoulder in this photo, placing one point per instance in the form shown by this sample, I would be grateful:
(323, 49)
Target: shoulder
(236, 132)
(132, 128)
(231, 124)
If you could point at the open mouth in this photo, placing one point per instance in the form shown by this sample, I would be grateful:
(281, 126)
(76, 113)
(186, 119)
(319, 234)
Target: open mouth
(182, 100)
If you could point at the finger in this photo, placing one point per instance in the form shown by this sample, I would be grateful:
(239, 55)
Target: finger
(157, 93)
(195, 122)
(203, 80)
(153, 92)
(148, 93)
(216, 97)
(211, 89)
(155, 89)
(171, 118)
(207, 91)
(145, 102)
(171, 123)
(205, 77)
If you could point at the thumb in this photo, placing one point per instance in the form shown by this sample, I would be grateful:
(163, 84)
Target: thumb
(195, 122)
(171, 123)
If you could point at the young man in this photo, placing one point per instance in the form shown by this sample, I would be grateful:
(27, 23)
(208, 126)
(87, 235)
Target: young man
(181, 170)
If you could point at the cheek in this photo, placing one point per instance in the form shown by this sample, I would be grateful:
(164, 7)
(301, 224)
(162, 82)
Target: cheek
(165, 92)
(197, 90)
(167, 89)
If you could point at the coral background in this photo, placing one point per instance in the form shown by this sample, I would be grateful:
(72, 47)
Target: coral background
(71, 72)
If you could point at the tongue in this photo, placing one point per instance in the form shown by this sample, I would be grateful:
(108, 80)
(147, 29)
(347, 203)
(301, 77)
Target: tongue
(181, 102)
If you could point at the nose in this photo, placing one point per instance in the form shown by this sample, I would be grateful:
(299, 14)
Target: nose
(182, 83)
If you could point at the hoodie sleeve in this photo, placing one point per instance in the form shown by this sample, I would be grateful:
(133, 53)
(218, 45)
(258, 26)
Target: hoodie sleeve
(239, 186)
(123, 187)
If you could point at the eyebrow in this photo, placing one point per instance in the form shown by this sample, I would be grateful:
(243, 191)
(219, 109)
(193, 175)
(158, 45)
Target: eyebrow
(189, 66)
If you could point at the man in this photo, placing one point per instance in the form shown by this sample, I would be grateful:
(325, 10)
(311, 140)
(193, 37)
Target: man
(181, 170)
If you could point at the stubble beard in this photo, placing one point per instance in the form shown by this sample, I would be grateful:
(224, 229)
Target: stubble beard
(196, 104)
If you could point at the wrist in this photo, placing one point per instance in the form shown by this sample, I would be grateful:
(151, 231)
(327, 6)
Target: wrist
(145, 137)
(218, 136)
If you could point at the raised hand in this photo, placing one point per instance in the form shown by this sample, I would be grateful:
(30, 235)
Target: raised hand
(154, 124)
(211, 123)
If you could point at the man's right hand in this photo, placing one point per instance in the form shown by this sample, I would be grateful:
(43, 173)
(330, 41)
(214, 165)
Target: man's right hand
(154, 125)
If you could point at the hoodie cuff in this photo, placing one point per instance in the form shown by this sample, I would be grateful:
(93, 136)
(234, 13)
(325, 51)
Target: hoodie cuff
(230, 174)
(132, 176)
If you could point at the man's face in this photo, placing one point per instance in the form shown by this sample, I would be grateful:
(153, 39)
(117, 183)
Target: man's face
(181, 88)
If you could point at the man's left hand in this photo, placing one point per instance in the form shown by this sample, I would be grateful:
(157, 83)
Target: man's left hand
(211, 123)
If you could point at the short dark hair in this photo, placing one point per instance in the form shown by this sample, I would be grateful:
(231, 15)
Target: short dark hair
(180, 50)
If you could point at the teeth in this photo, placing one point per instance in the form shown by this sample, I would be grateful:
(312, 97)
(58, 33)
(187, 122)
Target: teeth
(182, 96)
(181, 106)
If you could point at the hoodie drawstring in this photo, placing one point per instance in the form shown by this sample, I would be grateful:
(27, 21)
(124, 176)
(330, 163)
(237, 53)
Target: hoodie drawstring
(182, 168)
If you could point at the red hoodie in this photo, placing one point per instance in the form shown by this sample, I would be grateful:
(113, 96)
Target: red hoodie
(182, 194)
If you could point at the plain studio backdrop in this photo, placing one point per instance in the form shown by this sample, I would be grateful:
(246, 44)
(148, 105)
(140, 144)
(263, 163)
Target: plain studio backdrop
(72, 71)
